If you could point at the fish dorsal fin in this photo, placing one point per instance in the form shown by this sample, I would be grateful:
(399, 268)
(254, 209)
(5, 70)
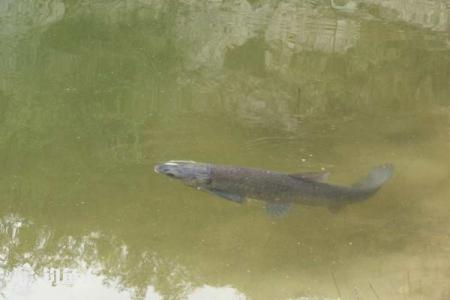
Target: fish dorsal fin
(278, 210)
(311, 176)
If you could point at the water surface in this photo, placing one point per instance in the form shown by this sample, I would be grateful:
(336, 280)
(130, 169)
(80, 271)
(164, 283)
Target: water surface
(93, 94)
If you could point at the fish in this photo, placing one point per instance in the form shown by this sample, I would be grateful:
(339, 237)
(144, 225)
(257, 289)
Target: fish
(278, 190)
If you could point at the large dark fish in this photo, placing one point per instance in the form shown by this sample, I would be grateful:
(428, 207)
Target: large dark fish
(278, 190)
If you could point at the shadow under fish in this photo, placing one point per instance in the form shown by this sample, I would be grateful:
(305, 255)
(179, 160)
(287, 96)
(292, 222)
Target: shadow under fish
(278, 190)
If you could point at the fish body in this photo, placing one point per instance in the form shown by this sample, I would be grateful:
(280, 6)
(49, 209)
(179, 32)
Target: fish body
(279, 190)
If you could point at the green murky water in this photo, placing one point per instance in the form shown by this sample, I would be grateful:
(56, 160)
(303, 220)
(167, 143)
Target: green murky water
(94, 93)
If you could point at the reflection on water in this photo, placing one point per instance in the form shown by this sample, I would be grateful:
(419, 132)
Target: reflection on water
(31, 271)
(23, 283)
(92, 95)
(59, 284)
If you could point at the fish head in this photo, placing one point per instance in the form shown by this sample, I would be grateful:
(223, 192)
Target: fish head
(190, 172)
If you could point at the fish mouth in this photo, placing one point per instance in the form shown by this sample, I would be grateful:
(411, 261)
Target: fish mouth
(156, 169)
(162, 169)
(189, 172)
(165, 167)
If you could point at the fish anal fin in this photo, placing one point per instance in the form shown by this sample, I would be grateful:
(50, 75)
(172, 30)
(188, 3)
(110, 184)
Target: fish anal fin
(278, 210)
(311, 176)
(226, 195)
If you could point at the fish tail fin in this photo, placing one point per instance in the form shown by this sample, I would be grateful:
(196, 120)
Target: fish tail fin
(376, 177)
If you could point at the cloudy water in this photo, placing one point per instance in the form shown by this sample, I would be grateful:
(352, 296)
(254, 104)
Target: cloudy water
(94, 93)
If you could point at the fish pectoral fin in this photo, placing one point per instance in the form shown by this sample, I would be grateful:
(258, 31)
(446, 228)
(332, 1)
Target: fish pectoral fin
(229, 196)
(311, 176)
(278, 209)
